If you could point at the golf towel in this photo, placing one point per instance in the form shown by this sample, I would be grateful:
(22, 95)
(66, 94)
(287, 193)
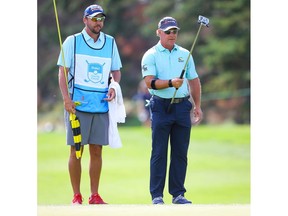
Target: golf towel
(117, 114)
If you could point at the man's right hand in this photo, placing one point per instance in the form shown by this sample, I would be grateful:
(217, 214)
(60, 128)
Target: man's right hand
(69, 105)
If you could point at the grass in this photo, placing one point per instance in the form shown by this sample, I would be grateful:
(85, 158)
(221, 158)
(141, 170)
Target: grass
(218, 170)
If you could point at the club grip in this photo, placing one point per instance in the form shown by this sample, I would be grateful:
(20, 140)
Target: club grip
(182, 73)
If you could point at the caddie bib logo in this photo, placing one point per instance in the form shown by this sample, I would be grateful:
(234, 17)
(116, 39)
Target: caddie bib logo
(94, 72)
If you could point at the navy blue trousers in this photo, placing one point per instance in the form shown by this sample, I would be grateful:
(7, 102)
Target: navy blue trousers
(176, 127)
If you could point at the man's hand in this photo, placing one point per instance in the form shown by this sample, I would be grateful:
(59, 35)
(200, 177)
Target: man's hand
(110, 95)
(197, 116)
(69, 105)
(177, 82)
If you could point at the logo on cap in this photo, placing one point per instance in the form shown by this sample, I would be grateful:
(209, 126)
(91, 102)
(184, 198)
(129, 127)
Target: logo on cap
(93, 10)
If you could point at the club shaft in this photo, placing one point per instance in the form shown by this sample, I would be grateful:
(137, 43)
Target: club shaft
(193, 45)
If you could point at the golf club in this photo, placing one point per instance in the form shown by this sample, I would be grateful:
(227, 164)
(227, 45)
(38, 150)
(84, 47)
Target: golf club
(202, 21)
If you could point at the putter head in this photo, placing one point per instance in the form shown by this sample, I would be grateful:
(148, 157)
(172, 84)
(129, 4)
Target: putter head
(203, 21)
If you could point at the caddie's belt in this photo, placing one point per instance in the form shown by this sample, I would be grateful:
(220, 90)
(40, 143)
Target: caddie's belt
(176, 100)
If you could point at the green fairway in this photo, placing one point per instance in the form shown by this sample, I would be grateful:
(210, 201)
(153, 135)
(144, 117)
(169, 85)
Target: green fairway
(218, 167)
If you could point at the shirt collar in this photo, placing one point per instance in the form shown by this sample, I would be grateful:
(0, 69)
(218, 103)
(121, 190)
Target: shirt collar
(162, 49)
(87, 37)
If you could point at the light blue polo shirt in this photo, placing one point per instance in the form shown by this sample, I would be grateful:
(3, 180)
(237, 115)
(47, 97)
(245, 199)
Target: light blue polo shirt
(163, 64)
(68, 48)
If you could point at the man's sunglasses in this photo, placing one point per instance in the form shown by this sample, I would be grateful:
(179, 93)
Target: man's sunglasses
(175, 31)
(95, 19)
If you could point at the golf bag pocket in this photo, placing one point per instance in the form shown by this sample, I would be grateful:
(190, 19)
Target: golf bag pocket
(90, 101)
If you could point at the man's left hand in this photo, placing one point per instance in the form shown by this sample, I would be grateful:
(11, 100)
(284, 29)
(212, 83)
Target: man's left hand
(110, 95)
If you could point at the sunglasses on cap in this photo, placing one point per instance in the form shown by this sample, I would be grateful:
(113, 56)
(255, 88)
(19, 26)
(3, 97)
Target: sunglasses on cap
(95, 19)
(174, 31)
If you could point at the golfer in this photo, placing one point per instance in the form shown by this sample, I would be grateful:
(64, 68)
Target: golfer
(90, 57)
(161, 66)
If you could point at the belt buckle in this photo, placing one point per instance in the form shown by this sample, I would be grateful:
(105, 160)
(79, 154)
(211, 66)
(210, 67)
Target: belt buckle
(177, 100)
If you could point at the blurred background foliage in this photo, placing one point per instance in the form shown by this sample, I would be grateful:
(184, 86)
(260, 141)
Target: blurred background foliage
(221, 54)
